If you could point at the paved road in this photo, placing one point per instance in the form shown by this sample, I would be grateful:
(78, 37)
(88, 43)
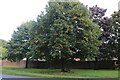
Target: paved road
(14, 77)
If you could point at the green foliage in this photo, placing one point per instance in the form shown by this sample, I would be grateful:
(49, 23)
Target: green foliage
(64, 32)
(116, 27)
(67, 32)
(107, 48)
(19, 45)
(3, 43)
(3, 50)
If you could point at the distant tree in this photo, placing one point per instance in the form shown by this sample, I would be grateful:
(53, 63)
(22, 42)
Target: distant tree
(107, 37)
(19, 45)
(116, 27)
(3, 50)
(3, 43)
(67, 32)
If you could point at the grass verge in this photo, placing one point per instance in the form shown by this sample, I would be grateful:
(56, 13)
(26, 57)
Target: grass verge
(55, 73)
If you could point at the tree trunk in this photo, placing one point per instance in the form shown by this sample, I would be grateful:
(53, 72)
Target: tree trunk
(96, 64)
(62, 66)
(26, 65)
(119, 63)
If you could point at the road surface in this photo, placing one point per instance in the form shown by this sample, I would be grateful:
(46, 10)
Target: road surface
(14, 77)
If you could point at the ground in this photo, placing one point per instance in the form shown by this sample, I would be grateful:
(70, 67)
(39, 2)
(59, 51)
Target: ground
(13, 77)
(55, 73)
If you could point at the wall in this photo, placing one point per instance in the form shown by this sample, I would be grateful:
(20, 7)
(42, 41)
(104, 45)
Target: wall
(14, 64)
(73, 64)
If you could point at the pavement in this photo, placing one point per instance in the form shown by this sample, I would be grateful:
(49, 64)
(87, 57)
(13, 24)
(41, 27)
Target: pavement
(14, 77)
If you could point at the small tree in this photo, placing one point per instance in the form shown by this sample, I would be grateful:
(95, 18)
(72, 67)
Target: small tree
(3, 50)
(19, 45)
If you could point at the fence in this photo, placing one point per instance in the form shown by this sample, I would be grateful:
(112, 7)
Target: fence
(14, 64)
(74, 64)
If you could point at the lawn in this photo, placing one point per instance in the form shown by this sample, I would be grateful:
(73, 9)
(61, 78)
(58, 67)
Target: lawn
(55, 73)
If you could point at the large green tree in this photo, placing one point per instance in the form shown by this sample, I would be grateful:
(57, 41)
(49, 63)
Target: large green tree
(64, 32)
(68, 32)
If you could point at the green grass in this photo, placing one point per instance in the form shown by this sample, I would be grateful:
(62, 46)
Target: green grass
(55, 73)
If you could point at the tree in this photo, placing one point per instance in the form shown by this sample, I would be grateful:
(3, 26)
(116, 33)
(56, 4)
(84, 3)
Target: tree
(3, 50)
(3, 43)
(116, 27)
(19, 45)
(107, 37)
(68, 33)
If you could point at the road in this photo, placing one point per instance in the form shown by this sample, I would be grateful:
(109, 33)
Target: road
(14, 77)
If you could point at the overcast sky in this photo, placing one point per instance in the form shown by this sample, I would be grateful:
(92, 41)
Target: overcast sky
(15, 12)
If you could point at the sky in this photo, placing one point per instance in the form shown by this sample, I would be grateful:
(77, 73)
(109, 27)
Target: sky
(15, 12)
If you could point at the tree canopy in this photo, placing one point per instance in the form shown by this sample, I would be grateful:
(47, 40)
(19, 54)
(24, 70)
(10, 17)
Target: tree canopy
(116, 28)
(3, 43)
(3, 50)
(19, 47)
(67, 30)
(107, 48)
